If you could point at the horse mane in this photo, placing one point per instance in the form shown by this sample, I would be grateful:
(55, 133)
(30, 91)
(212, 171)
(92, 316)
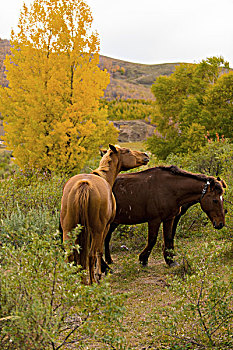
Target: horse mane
(174, 170)
(104, 164)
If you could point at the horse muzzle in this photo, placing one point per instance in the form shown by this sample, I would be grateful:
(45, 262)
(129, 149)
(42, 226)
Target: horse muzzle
(146, 158)
(218, 226)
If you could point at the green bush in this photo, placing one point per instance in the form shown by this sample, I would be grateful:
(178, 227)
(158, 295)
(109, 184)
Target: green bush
(130, 109)
(24, 192)
(213, 159)
(45, 306)
(201, 315)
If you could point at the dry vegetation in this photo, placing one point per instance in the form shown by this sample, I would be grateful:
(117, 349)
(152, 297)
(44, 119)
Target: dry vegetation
(132, 80)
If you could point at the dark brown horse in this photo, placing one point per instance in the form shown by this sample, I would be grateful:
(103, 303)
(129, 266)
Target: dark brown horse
(157, 195)
(88, 200)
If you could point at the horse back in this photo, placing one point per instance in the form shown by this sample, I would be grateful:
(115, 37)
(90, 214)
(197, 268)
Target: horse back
(87, 200)
(142, 197)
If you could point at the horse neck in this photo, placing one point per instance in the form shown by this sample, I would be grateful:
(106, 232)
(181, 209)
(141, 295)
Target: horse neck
(189, 190)
(109, 170)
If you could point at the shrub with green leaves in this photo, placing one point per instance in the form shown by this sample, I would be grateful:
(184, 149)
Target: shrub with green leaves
(44, 305)
(30, 192)
(214, 158)
(29, 205)
(201, 314)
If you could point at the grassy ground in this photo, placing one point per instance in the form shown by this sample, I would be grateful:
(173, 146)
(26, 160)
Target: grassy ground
(148, 288)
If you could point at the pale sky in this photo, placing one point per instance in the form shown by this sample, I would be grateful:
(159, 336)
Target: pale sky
(152, 31)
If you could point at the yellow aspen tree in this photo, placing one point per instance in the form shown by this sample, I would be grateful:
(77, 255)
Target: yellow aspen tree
(51, 111)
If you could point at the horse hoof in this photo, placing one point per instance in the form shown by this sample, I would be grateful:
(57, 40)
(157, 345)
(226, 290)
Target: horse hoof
(174, 264)
(109, 261)
(143, 263)
(97, 278)
(108, 271)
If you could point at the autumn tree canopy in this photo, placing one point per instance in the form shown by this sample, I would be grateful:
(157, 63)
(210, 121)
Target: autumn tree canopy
(195, 100)
(51, 107)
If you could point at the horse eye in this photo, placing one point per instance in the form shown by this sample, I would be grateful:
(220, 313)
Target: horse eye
(215, 201)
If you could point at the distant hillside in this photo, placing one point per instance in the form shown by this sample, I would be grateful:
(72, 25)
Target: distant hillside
(4, 50)
(128, 80)
(133, 80)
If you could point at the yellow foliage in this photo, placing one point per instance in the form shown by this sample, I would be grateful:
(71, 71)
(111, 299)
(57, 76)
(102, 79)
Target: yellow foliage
(51, 108)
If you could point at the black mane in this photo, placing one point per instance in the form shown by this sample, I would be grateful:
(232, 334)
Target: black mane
(174, 170)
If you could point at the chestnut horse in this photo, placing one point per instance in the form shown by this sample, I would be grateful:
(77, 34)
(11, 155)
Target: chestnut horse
(157, 195)
(88, 200)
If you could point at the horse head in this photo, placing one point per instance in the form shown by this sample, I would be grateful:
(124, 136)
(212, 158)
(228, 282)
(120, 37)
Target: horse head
(129, 159)
(212, 201)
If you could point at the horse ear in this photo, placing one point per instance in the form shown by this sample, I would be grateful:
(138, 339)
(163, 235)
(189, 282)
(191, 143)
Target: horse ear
(113, 148)
(222, 182)
(212, 183)
(224, 185)
(103, 152)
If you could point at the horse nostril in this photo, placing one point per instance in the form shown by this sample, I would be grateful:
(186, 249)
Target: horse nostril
(218, 227)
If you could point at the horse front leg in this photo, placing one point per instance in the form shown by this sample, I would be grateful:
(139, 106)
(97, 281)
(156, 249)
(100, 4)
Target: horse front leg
(153, 229)
(97, 251)
(175, 224)
(168, 247)
(183, 210)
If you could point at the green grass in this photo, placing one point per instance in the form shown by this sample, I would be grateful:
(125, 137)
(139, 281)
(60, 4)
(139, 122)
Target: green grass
(149, 291)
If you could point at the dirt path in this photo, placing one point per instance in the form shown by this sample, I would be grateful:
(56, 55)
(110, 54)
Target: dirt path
(146, 289)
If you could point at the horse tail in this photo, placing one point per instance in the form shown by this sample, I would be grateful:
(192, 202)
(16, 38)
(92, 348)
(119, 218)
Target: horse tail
(61, 231)
(81, 204)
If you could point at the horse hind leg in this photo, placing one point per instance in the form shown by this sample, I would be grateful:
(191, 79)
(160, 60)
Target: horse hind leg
(101, 264)
(104, 264)
(108, 257)
(98, 271)
(92, 261)
(95, 257)
(153, 229)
